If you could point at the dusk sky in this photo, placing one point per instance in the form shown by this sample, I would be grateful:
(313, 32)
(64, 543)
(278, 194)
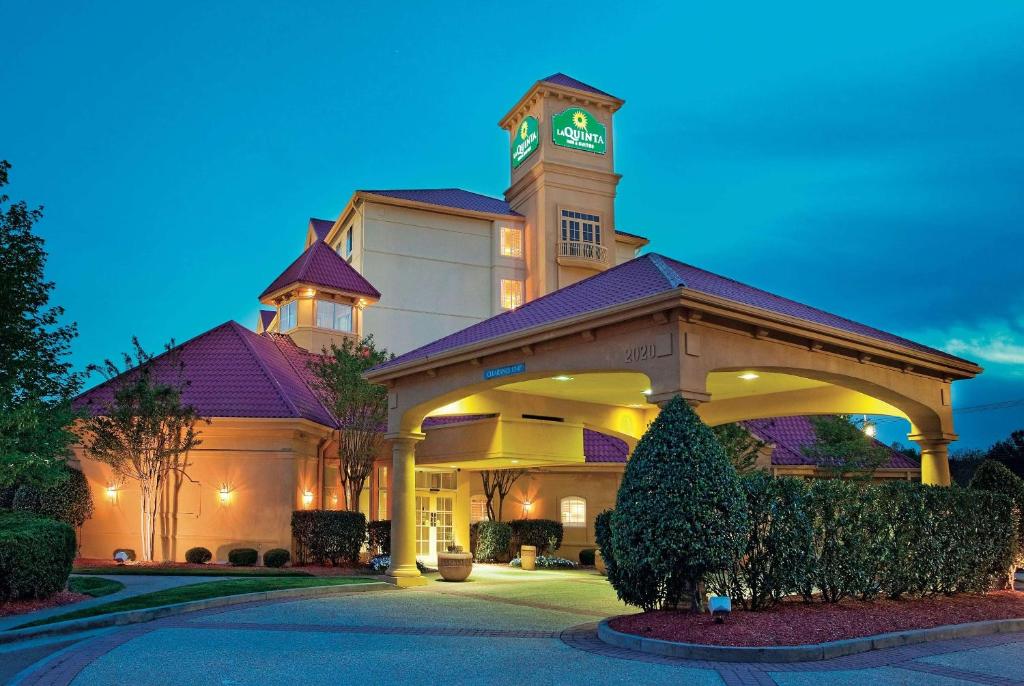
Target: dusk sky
(869, 162)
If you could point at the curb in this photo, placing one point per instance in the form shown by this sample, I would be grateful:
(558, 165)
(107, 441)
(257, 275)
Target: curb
(149, 614)
(803, 653)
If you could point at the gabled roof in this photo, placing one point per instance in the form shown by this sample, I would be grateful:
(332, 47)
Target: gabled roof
(321, 227)
(321, 266)
(267, 317)
(791, 435)
(560, 79)
(230, 371)
(645, 276)
(455, 198)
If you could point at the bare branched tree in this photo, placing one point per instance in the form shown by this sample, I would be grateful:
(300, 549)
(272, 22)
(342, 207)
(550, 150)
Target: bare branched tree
(498, 482)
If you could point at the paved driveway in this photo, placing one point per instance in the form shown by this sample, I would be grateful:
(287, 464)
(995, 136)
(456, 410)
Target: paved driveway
(505, 626)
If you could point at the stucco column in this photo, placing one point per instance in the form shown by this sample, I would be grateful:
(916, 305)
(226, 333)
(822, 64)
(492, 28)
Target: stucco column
(403, 509)
(934, 458)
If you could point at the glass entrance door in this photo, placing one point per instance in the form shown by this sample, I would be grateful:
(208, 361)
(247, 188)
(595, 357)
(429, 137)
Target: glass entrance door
(435, 529)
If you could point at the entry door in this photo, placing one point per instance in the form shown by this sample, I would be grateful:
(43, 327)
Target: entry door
(434, 525)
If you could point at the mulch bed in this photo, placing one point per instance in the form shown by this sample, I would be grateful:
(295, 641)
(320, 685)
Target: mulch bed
(794, 622)
(314, 570)
(20, 607)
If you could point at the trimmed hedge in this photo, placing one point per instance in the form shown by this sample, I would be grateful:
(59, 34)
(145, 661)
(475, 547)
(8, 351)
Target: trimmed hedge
(36, 554)
(996, 477)
(243, 557)
(492, 540)
(198, 556)
(378, 536)
(67, 499)
(323, 536)
(276, 557)
(587, 557)
(545, 534)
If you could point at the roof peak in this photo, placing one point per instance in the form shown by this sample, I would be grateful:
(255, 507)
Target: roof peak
(319, 265)
(560, 79)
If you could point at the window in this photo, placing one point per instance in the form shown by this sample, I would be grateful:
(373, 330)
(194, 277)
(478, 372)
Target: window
(511, 242)
(382, 493)
(580, 226)
(334, 316)
(574, 511)
(348, 242)
(511, 294)
(287, 315)
(478, 509)
(436, 481)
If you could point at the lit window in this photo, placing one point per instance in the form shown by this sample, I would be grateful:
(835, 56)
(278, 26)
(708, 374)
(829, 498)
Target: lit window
(436, 481)
(581, 227)
(478, 509)
(348, 242)
(287, 316)
(382, 493)
(574, 511)
(511, 293)
(334, 316)
(511, 242)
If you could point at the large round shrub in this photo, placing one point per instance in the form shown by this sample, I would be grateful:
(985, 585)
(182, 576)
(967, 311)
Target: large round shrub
(243, 557)
(679, 515)
(66, 499)
(36, 554)
(996, 477)
(492, 540)
(198, 556)
(276, 557)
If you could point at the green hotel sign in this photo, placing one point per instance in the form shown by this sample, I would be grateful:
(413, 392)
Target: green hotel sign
(525, 140)
(578, 129)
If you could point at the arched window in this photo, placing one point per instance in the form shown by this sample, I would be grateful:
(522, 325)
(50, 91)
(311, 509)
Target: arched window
(574, 511)
(477, 509)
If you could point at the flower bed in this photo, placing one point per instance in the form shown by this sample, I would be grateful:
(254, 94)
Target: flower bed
(794, 622)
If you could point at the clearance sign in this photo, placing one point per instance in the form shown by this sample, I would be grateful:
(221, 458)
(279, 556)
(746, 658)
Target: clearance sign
(578, 129)
(525, 140)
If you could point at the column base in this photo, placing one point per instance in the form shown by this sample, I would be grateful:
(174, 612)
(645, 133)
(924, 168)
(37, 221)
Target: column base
(407, 581)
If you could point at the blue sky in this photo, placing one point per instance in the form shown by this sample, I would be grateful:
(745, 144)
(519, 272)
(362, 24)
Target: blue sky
(869, 161)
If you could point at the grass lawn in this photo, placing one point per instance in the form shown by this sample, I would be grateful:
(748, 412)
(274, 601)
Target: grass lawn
(93, 585)
(214, 589)
(213, 570)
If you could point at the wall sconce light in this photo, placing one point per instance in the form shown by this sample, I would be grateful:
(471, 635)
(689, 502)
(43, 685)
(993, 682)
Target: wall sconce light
(527, 506)
(307, 499)
(112, 493)
(334, 498)
(361, 303)
(225, 495)
(308, 292)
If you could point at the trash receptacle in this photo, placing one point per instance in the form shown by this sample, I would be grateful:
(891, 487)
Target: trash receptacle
(528, 557)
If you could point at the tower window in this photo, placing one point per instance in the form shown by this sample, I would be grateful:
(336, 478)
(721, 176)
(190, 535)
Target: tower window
(580, 226)
(287, 315)
(334, 316)
(348, 242)
(511, 242)
(511, 293)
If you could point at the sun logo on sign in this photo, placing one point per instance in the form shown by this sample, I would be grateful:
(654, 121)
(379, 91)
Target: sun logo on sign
(522, 131)
(579, 120)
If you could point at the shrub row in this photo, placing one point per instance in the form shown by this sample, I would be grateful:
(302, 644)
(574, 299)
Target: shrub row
(490, 541)
(545, 534)
(499, 541)
(66, 498)
(323, 536)
(378, 536)
(36, 554)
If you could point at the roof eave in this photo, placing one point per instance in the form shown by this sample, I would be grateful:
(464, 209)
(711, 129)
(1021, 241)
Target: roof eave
(430, 207)
(271, 297)
(584, 97)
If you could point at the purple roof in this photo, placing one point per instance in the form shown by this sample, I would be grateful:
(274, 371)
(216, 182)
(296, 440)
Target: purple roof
(647, 275)
(561, 79)
(321, 227)
(451, 197)
(266, 317)
(321, 266)
(233, 372)
(790, 435)
(620, 232)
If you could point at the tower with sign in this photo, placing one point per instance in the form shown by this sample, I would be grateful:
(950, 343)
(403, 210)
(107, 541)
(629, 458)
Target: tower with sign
(563, 181)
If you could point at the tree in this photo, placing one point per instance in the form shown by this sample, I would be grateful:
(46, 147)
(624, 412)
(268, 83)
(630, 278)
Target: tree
(680, 513)
(995, 476)
(36, 381)
(360, 407)
(740, 445)
(500, 482)
(144, 431)
(964, 463)
(844, 450)
(1010, 452)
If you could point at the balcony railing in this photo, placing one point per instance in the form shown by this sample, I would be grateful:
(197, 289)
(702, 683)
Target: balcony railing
(581, 250)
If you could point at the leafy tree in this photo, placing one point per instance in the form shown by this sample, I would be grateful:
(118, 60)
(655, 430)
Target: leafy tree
(996, 476)
(1010, 452)
(360, 407)
(66, 499)
(36, 381)
(679, 515)
(844, 450)
(144, 431)
(740, 445)
(964, 463)
(500, 482)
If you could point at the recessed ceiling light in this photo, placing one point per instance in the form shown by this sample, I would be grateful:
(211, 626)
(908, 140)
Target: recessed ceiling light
(514, 461)
(749, 376)
(562, 377)
(635, 405)
(647, 392)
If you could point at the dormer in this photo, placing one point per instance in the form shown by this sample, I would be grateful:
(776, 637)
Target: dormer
(318, 300)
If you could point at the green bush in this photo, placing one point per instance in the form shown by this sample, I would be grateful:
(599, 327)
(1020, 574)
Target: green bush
(67, 499)
(198, 556)
(36, 554)
(603, 538)
(492, 540)
(276, 557)
(378, 535)
(908, 544)
(243, 557)
(679, 515)
(545, 534)
(587, 557)
(997, 477)
(323, 536)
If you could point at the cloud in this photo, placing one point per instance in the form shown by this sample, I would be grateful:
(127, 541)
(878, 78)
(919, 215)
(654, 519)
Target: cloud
(1001, 350)
(998, 342)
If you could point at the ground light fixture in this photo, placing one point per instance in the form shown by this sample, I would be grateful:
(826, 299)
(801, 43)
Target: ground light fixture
(749, 376)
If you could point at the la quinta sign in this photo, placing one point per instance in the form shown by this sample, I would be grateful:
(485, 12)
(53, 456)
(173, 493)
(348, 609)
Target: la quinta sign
(525, 140)
(578, 129)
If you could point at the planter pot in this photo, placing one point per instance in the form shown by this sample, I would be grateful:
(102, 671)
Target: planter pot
(599, 563)
(528, 557)
(454, 566)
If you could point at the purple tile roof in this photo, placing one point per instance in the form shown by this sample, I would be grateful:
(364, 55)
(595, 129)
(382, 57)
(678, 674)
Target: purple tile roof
(790, 435)
(267, 316)
(451, 197)
(647, 275)
(620, 232)
(321, 266)
(233, 372)
(561, 79)
(321, 227)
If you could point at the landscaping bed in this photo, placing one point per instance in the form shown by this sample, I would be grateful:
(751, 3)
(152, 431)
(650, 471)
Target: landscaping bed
(794, 622)
(26, 605)
(92, 566)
